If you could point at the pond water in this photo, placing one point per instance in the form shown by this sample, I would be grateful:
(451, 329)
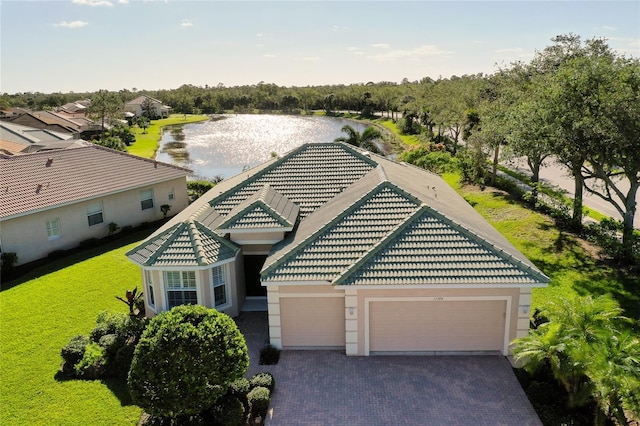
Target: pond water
(228, 144)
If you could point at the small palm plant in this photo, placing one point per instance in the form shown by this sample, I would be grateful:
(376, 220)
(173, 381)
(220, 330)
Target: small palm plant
(365, 140)
(133, 300)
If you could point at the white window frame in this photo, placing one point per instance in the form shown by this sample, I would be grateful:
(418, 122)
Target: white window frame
(145, 196)
(219, 279)
(54, 230)
(183, 277)
(95, 209)
(151, 299)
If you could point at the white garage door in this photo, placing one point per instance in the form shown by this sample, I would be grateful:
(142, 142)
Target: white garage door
(312, 322)
(424, 326)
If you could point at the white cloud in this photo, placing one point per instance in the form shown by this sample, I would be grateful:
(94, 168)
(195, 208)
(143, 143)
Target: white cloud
(510, 50)
(123, 1)
(311, 58)
(259, 35)
(259, 45)
(352, 49)
(72, 24)
(93, 3)
(185, 23)
(415, 53)
(608, 28)
(269, 56)
(381, 45)
(336, 28)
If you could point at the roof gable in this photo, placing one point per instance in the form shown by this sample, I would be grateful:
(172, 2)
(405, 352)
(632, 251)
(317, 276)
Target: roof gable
(185, 244)
(264, 209)
(428, 248)
(323, 255)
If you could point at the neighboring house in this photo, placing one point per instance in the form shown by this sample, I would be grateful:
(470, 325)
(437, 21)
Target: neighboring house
(352, 251)
(53, 200)
(138, 105)
(16, 138)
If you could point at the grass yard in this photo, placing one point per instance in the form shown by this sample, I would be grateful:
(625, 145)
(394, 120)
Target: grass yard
(38, 317)
(570, 262)
(409, 140)
(146, 144)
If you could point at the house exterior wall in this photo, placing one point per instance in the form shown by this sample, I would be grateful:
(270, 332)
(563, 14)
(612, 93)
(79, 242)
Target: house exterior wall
(356, 310)
(27, 235)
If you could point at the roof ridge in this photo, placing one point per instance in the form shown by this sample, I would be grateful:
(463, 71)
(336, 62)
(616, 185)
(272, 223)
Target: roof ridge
(212, 234)
(196, 241)
(252, 178)
(171, 232)
(346, 211)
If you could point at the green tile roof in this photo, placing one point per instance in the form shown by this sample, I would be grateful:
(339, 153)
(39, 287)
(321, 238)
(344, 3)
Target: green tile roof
(428, 248)
(309, 176)
(184, 244)
(323, 255)
(266, 209)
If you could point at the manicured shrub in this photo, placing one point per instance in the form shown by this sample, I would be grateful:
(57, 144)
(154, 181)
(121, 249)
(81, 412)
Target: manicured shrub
(93, 363)
(122, 360)
(73, 352)
(108, 323)
(264, 380)
(269, 355)
(7, 262)
(110, 343)
(239, 388)
(185, 361)
(227, 411)
(89, 243)
(259, 399)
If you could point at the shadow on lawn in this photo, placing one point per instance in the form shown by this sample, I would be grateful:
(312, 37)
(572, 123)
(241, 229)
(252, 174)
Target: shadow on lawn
(45, 266)
(117, 385)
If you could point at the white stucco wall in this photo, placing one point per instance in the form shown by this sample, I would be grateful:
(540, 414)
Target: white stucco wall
(27, 235)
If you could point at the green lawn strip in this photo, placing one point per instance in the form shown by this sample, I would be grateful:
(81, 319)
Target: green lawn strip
(562, 256)
(410, 140)
(39, 317)
(147, 144)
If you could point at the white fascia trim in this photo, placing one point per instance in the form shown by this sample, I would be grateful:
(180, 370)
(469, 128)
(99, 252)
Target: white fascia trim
(243, 242)
(186, 268)
(313, 295)
(82, 200)
(253, 230)
(438, 299)
(437, 286)
(291, 283)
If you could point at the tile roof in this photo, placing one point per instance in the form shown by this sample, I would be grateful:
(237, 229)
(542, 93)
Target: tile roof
(25, 135)
(186, 244)
(364, 220)
(428, 248)
(52, 178)
(308, 176)
(266, 209)
(323, 255)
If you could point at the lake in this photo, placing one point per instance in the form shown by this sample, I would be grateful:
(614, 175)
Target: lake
(228, 144)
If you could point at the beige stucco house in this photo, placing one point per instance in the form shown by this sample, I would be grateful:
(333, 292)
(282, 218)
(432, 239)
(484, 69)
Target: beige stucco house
(137, 106)
(351, 251)
(55, 199)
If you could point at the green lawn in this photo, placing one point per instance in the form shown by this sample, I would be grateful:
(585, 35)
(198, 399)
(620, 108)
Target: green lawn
(146, 144)
(409, 140)
(39, 316)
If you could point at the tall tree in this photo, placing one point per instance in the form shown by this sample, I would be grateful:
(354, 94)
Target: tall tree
(105, 105)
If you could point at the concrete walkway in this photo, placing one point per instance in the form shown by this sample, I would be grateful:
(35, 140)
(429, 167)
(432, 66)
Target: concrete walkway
(329, 388)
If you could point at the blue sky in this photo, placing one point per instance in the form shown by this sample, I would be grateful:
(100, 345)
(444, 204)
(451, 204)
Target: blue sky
(87, 45)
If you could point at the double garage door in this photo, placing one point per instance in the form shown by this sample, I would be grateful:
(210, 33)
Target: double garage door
(428, 326)
(396, 326)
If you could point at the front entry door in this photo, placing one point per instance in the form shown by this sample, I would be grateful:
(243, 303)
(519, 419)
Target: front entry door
(252, 266)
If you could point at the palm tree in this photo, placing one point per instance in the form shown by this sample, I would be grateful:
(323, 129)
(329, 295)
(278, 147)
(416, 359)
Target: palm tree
(366, 140)
(613, 366)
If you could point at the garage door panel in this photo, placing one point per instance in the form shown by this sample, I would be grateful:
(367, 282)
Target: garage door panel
(423, 326)
(312, 322)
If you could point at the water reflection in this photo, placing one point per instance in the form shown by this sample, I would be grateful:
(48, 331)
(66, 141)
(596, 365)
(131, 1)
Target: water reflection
(225, 147)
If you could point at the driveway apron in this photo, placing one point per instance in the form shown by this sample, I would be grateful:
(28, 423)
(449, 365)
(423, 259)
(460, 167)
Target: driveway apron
(329, 388)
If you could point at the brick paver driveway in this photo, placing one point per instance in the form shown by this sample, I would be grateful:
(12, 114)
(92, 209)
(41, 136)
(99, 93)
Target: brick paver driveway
(329, 388)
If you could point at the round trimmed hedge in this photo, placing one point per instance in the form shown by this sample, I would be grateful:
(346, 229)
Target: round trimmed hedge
(185, 360)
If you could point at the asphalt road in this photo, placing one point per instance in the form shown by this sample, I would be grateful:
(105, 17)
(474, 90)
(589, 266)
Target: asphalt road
(559, 176)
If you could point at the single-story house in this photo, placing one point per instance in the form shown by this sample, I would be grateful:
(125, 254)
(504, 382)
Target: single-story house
(351, 251)
(137, 106)
(53, 200)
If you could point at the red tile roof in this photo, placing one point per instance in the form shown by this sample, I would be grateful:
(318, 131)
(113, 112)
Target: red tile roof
(48, 179)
